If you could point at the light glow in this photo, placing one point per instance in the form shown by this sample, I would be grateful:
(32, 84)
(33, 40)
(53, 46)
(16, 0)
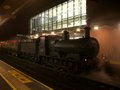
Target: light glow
(119, 27)
(36, 36)
(96, 27)
(52, 33)
(62, 31)
(78, 29)
(43, 34)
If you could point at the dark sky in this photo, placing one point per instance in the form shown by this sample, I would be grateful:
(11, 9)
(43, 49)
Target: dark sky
(99, 11)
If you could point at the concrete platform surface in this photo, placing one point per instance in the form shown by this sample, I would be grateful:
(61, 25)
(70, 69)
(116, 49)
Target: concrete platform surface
(13, 79)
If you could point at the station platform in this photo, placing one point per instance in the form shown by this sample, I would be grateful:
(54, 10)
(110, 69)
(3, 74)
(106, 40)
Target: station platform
(13, 79)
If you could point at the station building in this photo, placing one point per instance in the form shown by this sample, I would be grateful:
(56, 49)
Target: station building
(70, 15)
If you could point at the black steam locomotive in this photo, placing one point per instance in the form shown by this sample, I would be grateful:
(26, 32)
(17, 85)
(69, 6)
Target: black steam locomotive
(61, 53)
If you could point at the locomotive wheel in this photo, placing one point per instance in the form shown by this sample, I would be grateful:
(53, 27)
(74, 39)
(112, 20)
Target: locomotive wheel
(55, 59)
(72, 63)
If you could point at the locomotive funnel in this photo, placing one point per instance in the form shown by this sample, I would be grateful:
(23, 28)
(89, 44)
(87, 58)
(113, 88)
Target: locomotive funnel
(65, 35)
(87, 32)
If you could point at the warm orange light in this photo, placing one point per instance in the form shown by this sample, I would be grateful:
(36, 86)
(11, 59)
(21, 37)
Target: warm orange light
(36, 35)
(78, 29)
(96, 27)
(52, 33)
(62, 31)
(43, 34)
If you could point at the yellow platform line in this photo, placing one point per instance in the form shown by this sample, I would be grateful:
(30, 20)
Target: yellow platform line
(34, 79)
(28, 76)
(8, 82)
(20, 77)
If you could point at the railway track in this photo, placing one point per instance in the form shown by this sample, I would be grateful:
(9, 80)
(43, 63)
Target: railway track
(55, 79)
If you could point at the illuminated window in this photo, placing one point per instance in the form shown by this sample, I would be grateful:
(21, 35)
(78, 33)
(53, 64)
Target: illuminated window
(64, 15)
(36, 21)
(46, 20)
(40, 22)
(32, 23)
(43, 25)
(83, 6)
(59, 12)
(83, 20)
(31, 26)
(50, 19)
(77, 13)
(54, 18)
(70, 13)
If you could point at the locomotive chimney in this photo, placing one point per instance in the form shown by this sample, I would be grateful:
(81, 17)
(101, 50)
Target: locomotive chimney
(65, 35)
(87, 32)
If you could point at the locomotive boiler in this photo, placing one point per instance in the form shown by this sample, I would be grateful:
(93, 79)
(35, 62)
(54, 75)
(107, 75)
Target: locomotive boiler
(87, 47)
(78, 54)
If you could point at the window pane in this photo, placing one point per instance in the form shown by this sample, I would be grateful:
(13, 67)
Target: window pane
(84, 20)
(64, 15)
(33, 23)
(77, 7)
(54, 18)
(83, 12)
(59, 12)
(40, 22)
(70, 8)
(46, 20)
(36, 23)
(70, 13)
(77, 21)
(83, 6)
(50, 19)
(77, 13)
(43, 21)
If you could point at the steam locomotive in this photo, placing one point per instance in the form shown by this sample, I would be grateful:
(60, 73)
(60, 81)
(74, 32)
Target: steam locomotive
(61, 53)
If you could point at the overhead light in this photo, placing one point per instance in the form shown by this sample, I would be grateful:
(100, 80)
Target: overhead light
(78, 29)
(36, 36)
(52, 33)
(62, 31)
(43, 34)
(96, 27)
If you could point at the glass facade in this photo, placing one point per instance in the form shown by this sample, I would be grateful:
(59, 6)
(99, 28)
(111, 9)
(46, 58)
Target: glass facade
(68, 14)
